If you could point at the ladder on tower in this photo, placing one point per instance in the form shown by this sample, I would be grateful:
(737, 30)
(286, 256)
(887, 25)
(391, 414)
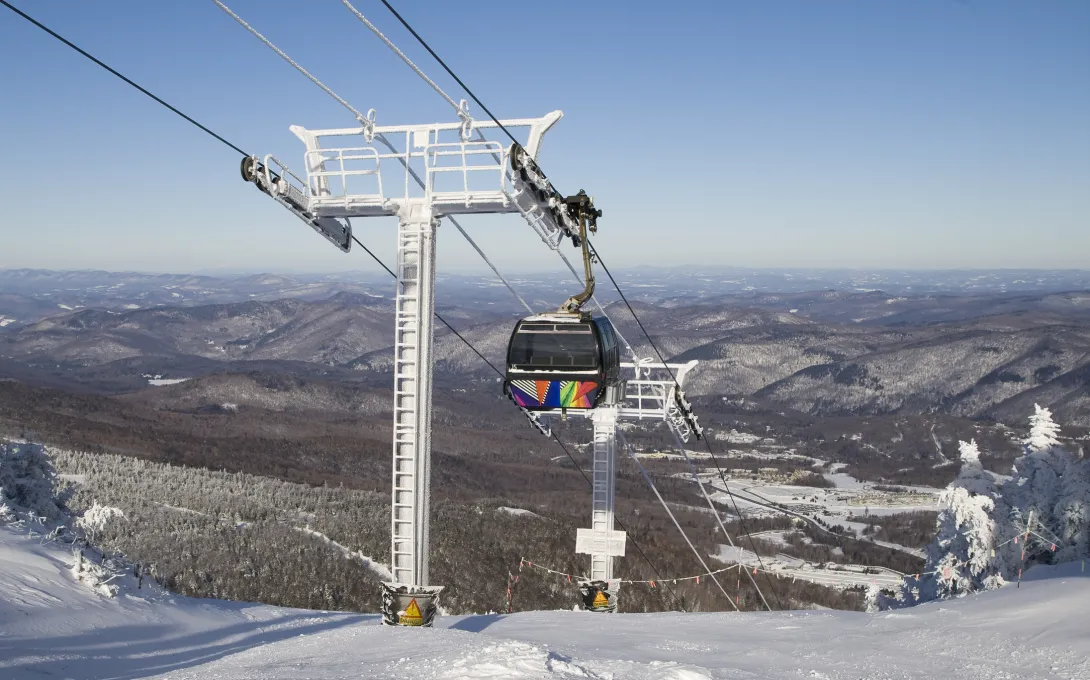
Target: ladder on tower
(412, 397)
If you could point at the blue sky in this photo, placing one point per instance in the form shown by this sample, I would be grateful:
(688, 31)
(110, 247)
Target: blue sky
(930, 134)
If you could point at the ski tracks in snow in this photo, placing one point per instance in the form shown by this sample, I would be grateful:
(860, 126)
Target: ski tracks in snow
(513, 659)
(53, 626)
(519, 660)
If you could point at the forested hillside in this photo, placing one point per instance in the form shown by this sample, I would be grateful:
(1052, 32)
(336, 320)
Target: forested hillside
(244, 537)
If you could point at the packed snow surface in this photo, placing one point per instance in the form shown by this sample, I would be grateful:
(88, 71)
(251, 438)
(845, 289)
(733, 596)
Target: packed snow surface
(51, 626)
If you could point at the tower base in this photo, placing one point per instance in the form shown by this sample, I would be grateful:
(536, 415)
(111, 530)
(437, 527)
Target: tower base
(406, 605)
(600, 596)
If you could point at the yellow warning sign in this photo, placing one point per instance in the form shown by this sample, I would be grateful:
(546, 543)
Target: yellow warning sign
(412, 615)
(600, 600)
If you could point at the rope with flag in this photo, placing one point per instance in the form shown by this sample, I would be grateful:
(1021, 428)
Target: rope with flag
(651, 582)
(1019, 539)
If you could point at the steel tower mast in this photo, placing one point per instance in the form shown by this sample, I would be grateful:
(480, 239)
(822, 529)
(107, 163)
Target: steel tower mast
(349, 175)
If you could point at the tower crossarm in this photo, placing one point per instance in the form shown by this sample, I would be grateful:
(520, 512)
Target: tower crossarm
(373, 170)
(650, 388)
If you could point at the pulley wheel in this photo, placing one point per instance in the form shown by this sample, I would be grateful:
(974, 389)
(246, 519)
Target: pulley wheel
(248, 169)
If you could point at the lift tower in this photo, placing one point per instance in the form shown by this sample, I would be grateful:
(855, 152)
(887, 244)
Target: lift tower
(442, 169)
(651, 391)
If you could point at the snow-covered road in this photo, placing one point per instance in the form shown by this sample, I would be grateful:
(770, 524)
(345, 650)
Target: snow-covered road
(53, 627)
(747, 497)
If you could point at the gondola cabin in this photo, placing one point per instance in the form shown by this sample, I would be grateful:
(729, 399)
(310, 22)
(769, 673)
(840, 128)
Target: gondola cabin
(562, 361)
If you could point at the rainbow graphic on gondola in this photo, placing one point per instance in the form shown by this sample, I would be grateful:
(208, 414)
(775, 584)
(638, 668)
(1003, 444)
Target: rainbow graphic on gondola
(539, 394)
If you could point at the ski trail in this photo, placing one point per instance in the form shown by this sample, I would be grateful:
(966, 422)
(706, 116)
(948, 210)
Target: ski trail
(938, 446)
(178, 508)
(378, 567)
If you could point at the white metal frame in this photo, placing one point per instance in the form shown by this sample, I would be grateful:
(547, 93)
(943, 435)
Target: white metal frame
(336, 159)
(337, 165)
(414, 332)
(345, 178)
(649, 394)
(604, 478)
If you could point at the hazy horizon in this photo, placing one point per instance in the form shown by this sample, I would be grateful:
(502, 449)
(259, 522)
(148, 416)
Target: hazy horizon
(483, 272)
(928, 135)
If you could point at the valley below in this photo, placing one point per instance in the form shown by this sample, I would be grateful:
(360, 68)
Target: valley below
(256, 414)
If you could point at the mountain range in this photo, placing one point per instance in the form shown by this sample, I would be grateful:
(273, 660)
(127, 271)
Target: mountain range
(978, 355)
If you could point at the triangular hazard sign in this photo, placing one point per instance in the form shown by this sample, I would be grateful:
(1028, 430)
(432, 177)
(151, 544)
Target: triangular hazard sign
(600, 600)
(412, 615)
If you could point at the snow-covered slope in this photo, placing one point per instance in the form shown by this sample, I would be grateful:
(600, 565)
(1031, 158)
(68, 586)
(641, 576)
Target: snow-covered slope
(51, 626)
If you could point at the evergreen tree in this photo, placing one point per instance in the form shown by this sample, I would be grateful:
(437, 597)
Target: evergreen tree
(1048, 487)
(959, 558)
(1072, 510)
(95, 518)
(26, 480)
(1043, 431)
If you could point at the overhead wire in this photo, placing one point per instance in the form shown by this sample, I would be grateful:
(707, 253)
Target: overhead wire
(597, 256)
(649, 478)
(203, 128)
(369, 122)
(359, 116)
(240, 151)
(446, 68)
(480, 136)
(632, 454)
(389, 43)
(711, 506)
(113, 71)
(722, 475)
(420, 182)
(707, 441)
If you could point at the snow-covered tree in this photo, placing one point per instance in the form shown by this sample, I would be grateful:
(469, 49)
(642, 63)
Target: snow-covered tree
(7, 514)
(1045, 490)
(27, 479)
(973, 477)
(95, 519)
(1043, 431)
(959, 558)
(1072, 511)
(962, 552)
